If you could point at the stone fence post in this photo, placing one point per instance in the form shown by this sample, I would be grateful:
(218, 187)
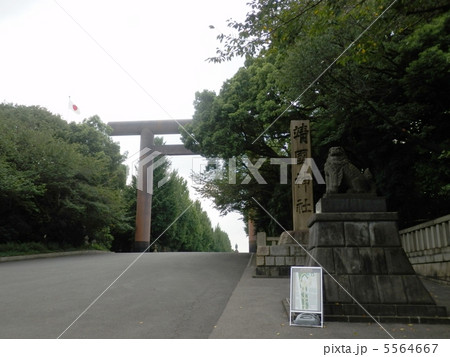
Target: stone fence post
(261, 239)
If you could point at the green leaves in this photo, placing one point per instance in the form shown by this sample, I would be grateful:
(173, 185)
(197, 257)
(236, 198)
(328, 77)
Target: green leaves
(372, 76)
(65, 184)
(192, 230)
(63, 179)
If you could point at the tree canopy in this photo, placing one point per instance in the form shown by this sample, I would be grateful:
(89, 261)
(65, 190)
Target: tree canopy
(189, 231)
(59, 182)
(371, 76)
(64, 185)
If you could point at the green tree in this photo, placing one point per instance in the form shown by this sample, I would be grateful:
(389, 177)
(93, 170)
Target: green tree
(383, 98)
(62, 194)
(227, 126)
(178, 223)
(65, 185)
(221, 242)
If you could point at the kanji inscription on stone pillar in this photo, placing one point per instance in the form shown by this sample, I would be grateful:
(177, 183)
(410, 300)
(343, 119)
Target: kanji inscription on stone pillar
(302, 189)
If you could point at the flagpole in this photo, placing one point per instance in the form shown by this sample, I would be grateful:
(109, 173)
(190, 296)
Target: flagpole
(68, 111)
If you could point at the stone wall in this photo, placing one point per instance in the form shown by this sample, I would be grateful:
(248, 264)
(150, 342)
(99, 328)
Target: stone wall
(427, 246)
(276, 260)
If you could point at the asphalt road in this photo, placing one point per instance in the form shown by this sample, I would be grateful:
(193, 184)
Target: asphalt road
(163, 295)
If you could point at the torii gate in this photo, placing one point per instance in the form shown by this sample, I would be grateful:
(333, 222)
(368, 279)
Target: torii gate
(147, 130)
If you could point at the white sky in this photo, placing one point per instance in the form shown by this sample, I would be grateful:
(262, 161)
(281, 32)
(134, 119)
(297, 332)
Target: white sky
(121, 60)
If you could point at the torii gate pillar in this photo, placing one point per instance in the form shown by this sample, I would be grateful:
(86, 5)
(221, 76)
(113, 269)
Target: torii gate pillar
(147, 131)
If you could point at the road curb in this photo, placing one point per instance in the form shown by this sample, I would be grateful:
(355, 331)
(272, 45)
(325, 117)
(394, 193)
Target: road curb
(51, 255)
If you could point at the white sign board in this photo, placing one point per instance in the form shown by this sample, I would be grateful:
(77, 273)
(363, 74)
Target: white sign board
(306, 297)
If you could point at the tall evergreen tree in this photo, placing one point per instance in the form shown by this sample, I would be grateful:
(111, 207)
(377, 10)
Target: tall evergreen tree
(371, 77)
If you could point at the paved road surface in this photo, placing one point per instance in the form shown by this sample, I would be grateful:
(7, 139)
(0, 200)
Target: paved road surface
(168, 295)
(163, 295)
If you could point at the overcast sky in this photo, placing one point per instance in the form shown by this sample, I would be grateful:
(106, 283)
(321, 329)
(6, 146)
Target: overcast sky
(121, 60)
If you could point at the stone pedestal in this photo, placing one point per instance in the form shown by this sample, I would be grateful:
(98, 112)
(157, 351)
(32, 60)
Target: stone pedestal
(360, 251)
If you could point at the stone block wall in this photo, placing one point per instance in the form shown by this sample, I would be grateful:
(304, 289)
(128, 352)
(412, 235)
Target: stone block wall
(276, 260)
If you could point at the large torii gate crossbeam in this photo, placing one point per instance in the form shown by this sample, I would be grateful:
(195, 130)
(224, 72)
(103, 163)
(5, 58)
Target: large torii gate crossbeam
(147, 131)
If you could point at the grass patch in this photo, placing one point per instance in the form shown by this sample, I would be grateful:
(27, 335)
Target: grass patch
(13, 248)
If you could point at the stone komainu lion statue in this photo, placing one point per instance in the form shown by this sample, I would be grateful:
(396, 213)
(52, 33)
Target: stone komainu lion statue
(341, 176)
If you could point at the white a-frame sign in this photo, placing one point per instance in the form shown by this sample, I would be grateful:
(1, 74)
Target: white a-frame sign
(306, 297)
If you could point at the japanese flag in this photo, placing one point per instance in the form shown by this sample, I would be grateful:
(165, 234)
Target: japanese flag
(73, 107)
